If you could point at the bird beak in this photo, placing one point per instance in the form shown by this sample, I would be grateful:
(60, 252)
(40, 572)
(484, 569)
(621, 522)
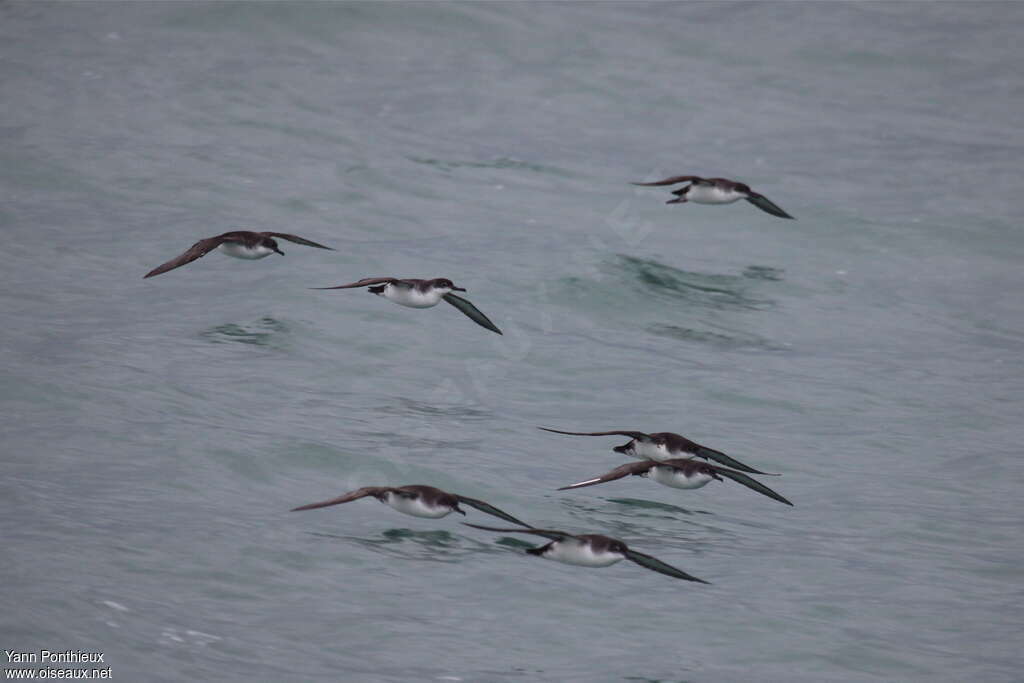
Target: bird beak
(458, 289)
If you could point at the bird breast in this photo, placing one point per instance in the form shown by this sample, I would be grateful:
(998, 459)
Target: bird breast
(670, 476)
(649, 450)
(712, 194)
(412, 297)
(241, 251)
(416, 507)
(572, 551)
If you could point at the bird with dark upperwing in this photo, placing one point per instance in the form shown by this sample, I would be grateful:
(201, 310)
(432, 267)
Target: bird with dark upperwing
(716, 191)
(591, 550)
(662, 446)
(239, 244)
(679, 473)
(416, 500)
(421, 294)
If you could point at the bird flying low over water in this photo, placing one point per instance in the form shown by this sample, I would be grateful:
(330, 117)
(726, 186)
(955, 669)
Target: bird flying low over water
(662, 446)
(679, 473)
(421, 294)
(240, 244)
(716, 191)
(591, 550)
(416, 500)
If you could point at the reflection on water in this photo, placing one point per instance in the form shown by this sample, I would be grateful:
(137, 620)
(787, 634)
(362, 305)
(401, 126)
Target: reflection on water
(410, 544)
(734, 341)
(502, 162)
(712, 290)
(264, 332)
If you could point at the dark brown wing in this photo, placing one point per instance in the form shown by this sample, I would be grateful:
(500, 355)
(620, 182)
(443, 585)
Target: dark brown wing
(490, 509)
(296, 239)
(654, 564)
(750, 483)
(632, 435)
(365, 282)
(348, 497)
(767, 205)
(677, 442)
(618, 473)
(673, 180)
(471, 312)
(546, 533)
(197, 250)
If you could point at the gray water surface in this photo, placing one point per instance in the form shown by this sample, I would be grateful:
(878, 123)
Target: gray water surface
(156, 432)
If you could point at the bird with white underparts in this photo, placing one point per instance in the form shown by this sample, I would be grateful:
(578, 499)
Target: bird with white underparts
(240, 244)
(716, 191)
(416, 293)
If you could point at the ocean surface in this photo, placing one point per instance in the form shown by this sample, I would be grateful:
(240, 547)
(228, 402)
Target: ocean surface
(157, 432)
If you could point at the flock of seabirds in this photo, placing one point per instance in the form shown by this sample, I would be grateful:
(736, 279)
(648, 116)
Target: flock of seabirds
(667, 458)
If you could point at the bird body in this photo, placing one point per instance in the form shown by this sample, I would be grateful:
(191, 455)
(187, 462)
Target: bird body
(245, 251)
(416, 500)
(679, 473)
(591, 550)
(241, 244)
(416, 293)
(663, 446)
(716, 191)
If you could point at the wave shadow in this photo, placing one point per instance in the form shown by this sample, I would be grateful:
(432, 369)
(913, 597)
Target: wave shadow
(710, 290)
(265, 332)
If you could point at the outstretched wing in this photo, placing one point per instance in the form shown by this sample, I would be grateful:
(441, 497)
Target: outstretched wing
(296, 239)
(365, 282)
(546, 533)
(471, 311)
(723, 459)
(672, 181)
(750, 483)
(490, 509)
(348, 497)
(618, 473)
(197, 250)
(632, 435)
(654, 564)
(767, 205)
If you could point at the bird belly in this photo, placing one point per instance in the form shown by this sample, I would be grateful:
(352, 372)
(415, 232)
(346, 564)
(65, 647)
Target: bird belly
(571, 551)
(710, 194)
(648, 450)
(412, 297)
(670, 476)
(241, 251)
(416, 508)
